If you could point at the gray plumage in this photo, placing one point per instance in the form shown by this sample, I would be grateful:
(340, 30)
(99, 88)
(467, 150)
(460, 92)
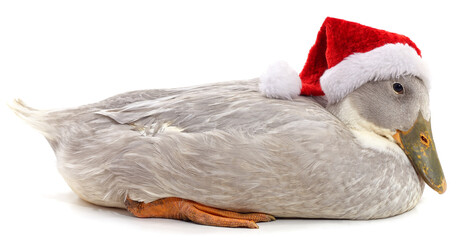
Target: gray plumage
(227, 146)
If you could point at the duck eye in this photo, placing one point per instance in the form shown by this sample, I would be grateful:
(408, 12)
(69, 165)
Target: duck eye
(398, 88)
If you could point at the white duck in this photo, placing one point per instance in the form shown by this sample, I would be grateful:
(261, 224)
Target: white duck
(223, 154)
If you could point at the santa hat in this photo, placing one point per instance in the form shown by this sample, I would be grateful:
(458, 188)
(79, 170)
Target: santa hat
(346, 55)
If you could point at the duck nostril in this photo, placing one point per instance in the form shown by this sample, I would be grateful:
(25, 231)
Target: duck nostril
(424, 140)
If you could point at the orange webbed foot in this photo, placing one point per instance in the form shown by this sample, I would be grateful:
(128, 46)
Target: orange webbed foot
(178, 208)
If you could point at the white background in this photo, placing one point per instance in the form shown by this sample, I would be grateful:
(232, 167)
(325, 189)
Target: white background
(56, 54)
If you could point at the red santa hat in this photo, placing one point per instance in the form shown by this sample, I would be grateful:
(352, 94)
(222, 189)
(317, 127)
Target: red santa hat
(346, 55)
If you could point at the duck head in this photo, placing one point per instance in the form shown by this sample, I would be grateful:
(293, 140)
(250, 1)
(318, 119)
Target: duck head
(398, 110)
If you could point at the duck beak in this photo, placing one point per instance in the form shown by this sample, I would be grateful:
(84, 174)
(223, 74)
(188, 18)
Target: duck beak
(418, 145)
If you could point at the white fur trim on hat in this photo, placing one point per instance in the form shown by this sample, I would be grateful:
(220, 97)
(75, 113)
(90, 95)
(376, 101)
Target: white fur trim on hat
(280, 81)
(387, 61)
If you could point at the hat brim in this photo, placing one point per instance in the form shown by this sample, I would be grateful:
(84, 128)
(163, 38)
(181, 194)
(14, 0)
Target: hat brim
(385, 62)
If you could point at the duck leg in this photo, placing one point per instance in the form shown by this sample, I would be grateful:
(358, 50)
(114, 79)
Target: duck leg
(183, 209)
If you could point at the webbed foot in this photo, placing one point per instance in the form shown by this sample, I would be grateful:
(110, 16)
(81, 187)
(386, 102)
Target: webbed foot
(182, 209)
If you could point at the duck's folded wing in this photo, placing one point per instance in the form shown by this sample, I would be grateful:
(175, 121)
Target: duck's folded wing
(231, 106)
(135, 111)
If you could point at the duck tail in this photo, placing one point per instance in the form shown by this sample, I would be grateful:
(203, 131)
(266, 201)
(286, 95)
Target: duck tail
(38, 119)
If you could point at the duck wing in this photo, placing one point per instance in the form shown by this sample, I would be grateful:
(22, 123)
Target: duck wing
(236, 105)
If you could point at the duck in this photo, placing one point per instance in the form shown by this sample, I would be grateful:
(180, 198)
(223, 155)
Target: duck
(347, 138)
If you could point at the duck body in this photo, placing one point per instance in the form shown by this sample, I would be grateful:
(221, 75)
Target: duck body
(227, 146)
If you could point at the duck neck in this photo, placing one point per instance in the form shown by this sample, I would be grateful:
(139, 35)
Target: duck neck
(348, 114)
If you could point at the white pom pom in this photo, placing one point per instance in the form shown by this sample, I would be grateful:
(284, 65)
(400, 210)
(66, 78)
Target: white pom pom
(280, 81)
